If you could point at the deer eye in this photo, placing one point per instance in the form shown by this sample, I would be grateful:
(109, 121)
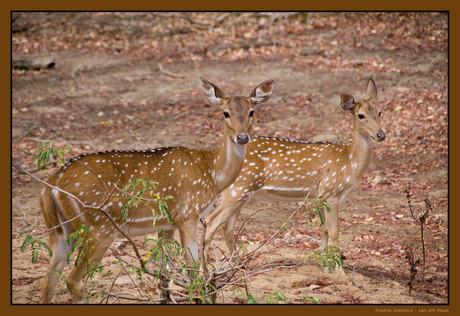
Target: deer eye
(226, 115)
(360, 116)
(251, 114)
(380, 114)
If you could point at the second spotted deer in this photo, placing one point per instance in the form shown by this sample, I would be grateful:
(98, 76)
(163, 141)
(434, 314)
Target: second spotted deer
(280, 169)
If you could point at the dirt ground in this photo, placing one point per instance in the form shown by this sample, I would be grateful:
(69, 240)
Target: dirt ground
(100, 101)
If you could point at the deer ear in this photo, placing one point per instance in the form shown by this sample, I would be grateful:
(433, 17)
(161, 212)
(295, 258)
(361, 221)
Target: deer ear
(371, 90)
(262, 92)
(212, 92)
(347, 102)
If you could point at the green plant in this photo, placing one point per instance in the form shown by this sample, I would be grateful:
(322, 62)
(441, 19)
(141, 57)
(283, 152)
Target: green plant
(251, 299)
(202, 289)
(82, 245)
(310, 299)
(276, 297)
(43, 154)
(330, 259)
(318, 205)
(36, 244)
(163, 250)
(135, 198)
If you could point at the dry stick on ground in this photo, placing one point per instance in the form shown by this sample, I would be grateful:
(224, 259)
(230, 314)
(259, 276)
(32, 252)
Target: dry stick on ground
(120, 296)
(353, 278)
(139, 139)
(113, 284)
(168, 73)
(74, 74)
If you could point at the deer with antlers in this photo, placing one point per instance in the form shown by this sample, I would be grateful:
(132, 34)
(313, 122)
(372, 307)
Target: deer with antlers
(194, 178)
(281, 169)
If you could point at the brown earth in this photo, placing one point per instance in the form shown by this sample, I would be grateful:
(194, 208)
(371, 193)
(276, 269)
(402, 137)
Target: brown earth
(97, 100)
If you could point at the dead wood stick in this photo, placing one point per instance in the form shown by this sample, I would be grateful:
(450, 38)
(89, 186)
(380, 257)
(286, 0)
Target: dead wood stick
(168, 73)
(46, 62)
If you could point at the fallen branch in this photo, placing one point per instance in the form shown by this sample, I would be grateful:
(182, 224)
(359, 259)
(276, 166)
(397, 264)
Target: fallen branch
(34, 64)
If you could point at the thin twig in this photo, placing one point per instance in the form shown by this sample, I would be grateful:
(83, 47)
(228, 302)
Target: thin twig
(152, 273)
(30, 129)
(27, 227)
(113, 284)
(168, 73)
(139, 139)
(353, 278)
(135, 298)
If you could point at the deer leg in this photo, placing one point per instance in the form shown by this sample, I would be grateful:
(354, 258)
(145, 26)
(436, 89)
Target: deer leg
(76, 280)
(324, 232)
(57, 263)
(166, 276)
(330, 228)
(227, 214)
(332, 222)
(229, 228)
(188, 237)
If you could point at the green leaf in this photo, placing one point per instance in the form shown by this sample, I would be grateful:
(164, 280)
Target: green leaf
(252, 299)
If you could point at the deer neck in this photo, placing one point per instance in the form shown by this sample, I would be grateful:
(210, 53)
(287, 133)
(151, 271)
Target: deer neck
(226, 161)
(360, 152)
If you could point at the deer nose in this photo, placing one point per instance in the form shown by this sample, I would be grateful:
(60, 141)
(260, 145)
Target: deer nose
(242, 138)
(380, 135)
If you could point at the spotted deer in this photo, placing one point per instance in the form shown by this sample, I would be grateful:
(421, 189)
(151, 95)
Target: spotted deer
(194, 178)
(280, 169)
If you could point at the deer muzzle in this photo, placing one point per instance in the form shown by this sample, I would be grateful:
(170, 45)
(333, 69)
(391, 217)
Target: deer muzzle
(380, 135)
(242, 138)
